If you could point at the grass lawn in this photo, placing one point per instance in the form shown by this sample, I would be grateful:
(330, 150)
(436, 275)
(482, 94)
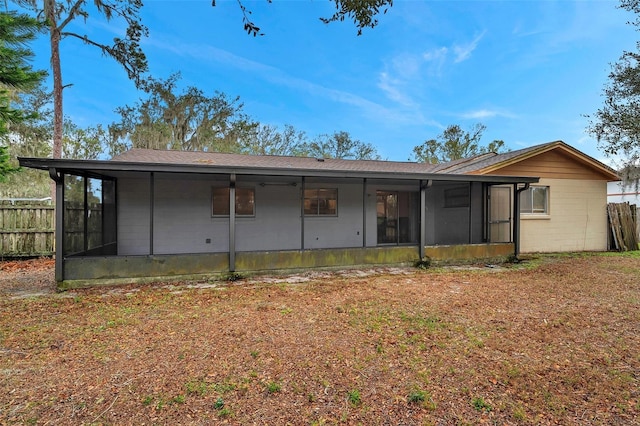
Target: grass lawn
(556, 341)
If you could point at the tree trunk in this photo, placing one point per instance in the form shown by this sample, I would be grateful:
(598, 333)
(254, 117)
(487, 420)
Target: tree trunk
(57, 81)
(54, 34)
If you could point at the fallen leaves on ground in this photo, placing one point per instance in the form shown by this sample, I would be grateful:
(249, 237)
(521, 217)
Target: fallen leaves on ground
(555, 343)
(30, 265)
(27, 277)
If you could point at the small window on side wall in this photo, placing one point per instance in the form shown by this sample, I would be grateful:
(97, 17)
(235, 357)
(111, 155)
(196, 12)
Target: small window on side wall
(321, 202)
(245, 202)
(535, 200)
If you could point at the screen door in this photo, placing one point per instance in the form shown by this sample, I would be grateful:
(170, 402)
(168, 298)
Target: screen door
(500, 214)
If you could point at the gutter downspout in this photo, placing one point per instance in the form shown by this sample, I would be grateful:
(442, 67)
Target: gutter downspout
(59, 225)
(516, 222)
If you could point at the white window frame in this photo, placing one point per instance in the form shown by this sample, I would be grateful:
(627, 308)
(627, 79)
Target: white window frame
(533, 212)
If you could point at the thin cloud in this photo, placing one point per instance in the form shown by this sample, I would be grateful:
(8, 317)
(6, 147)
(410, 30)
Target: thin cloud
(404, 74)
(279, 77)
(463, 52)
(391, 88)
(436, 58)
(486, 113)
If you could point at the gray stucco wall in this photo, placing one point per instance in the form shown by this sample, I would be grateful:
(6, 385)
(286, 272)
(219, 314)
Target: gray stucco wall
(183, 222)
(133, 216)
(343, 230)
(182, 217)
(276, 225)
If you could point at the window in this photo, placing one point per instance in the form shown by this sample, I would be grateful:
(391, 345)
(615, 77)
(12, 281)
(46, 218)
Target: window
(245, 202)
(321, 202)
(535, 200)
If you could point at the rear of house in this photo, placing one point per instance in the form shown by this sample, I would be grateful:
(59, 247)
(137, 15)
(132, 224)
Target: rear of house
(565, 210)
(149, 214)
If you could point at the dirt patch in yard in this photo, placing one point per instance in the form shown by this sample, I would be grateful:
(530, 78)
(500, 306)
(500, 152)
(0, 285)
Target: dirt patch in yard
(558, 343)
(25, 278)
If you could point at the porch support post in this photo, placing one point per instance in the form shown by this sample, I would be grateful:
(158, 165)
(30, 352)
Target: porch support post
(85, 220)
(364, 212)
(59, 232)
(152, 187)
(423, 215)
(516, 217)
(302, 213)
(232, 222)
(470, 215)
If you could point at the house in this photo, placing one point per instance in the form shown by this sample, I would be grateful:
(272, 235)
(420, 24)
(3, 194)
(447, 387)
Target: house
(149, 214)
(625, 192)
(566, 209)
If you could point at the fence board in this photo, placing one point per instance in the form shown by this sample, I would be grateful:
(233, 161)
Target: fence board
(623, 226)
(27, 231)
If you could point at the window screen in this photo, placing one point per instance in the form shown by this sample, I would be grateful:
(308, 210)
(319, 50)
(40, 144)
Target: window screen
(245, 202)
(535, 200)
(321, 202)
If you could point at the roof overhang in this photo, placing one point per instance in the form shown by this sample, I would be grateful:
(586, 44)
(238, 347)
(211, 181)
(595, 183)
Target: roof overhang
(114, 168)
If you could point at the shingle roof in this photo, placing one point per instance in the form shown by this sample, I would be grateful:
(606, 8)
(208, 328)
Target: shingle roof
(460, 166)
(153, 156)
(483, 161)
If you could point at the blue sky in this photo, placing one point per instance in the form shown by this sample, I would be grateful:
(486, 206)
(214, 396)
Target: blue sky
(528, 70)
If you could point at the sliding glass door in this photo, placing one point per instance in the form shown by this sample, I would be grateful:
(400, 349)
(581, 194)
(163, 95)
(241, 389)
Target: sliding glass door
(398, 217)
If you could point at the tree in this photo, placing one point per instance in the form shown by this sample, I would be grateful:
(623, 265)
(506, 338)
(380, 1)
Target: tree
(5, 164)
(616, 125)
(32, 137)
(453, 144)
(268, 140)
(362, 12)
(339, 145)
(189, 121)
(83, 143)
(16, 31)
(58, 14)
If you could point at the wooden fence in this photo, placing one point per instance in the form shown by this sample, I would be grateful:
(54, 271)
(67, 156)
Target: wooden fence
(623, 225)
(26, 231)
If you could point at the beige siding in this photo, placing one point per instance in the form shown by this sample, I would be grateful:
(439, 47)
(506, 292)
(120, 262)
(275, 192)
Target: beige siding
(554, 165)
(577, 219)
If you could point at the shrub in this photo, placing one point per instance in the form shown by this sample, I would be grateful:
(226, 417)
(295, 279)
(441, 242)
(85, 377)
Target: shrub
(424, 263)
